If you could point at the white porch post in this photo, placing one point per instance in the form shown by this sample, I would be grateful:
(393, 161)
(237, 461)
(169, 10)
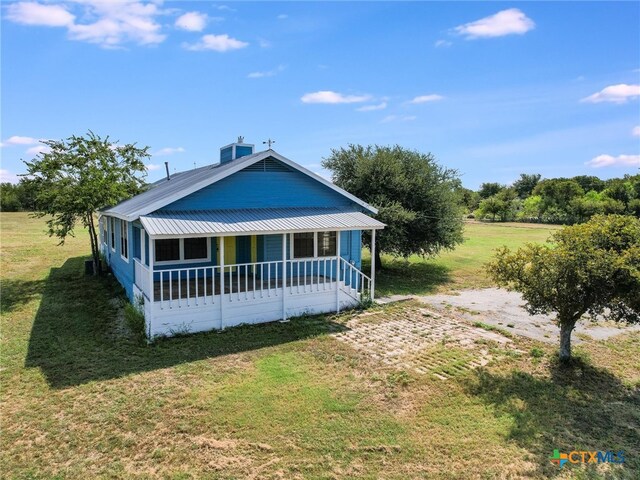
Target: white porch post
(221, 282)
(142, 247)
(373, 262)
(338, 271)
(284, 276)
(152, 249)
(152, 293)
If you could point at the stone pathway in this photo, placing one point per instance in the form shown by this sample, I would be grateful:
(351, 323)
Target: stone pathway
(420, 340)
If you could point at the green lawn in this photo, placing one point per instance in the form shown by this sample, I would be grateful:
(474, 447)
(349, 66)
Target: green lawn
(457, 269)
(81, 397)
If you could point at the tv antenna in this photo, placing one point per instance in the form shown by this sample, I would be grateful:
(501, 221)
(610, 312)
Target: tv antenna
(269, 142)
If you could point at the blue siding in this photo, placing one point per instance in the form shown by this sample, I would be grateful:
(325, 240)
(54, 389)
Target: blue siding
(123, 270)
(263, 190)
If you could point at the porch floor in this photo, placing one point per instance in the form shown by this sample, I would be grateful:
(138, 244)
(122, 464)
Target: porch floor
(181, 288)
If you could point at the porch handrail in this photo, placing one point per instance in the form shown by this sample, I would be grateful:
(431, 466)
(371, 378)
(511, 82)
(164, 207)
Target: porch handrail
(354, 281)
(184, 287)
(141, 277)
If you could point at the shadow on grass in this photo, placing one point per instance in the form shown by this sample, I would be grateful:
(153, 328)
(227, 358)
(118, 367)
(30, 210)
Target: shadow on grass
(77, 336)
(401, 277)
(19, 292)
(579, 407)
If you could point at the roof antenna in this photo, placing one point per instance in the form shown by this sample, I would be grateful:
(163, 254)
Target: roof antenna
(269, 142)
(166, 166)
(241, 139)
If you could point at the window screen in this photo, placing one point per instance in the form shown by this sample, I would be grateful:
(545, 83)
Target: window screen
(326, 244)
(195, 248)
(168, 249)
(303, 245)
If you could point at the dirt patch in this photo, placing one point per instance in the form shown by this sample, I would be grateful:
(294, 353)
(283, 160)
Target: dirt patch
(422, 341)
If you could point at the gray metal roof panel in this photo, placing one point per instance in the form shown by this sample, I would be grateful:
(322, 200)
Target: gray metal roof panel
(255, 221)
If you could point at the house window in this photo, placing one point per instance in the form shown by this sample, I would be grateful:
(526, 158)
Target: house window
(124, 240)
(167, 250)
(183, 250)
(326, 244)
(112, 227)
(195, 248)
(303, 245)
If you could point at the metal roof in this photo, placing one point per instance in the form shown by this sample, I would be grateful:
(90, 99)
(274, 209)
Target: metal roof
(179, 185)
(254, 221)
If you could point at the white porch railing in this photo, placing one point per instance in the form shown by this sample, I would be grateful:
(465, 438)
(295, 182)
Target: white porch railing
(353, 281)
(243, 282)
(141, 276)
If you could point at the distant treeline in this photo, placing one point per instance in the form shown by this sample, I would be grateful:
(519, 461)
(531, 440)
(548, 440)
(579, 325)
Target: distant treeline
(553, 200)
(17, 197)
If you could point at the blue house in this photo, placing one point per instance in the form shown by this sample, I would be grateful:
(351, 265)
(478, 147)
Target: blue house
(254, 238)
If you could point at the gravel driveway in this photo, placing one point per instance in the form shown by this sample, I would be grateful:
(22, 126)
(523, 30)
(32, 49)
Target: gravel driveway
(504, 309)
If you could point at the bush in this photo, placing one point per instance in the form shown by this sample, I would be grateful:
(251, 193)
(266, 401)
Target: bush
(134, 316)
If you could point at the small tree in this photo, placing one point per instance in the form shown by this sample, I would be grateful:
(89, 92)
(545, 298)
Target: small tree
(80, 175)
(417, 198)
(592, 268)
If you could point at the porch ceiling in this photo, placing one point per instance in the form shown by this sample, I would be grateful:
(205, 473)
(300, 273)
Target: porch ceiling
(258, 221)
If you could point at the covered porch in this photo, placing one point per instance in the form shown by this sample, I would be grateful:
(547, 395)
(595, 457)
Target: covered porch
(306, 273)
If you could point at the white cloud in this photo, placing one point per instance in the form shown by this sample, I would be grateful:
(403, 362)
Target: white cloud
(611, 161)
(269, 73)
(327, 96)
(33, 151)
(7, 177)
(153, 166)
(168, 151)
(506, 22)
(636, 131)
(371, 108)
(19, 140)
(218, 43)
(106, 23)
(620, 93)
(226, 8)
(192, 21)
(398, 118)
(32, 13)
(282, 16)
(442, 43)
(426, 98)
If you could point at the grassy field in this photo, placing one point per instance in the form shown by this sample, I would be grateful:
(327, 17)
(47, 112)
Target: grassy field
(459, 268)
(81, 397)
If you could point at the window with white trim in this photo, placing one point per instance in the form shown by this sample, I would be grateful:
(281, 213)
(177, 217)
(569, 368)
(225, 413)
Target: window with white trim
(326, 244)
(303, 245)
(124, 240)
(187, 250)
(112, 227)
(314, 244)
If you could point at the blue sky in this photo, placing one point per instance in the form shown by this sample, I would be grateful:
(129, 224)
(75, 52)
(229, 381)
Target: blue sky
(492, 89)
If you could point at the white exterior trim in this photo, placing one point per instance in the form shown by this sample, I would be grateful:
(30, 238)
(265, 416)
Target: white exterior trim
(182, 260)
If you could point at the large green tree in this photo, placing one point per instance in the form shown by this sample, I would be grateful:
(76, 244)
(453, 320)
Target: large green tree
(80, 175)
(526, 183)
(416, 197)
(589, 268)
